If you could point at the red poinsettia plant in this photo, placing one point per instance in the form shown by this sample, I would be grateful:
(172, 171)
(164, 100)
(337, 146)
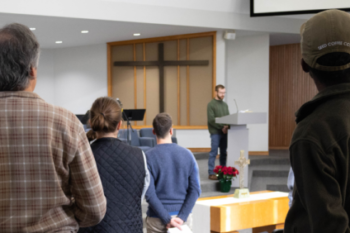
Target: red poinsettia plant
(226, 173)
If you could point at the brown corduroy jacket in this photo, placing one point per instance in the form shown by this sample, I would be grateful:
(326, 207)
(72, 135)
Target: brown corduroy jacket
(320, 158)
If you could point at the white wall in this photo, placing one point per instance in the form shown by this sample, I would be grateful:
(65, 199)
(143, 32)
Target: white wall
(45, 83)
(80, 76)
(247, 66)
(199, 138)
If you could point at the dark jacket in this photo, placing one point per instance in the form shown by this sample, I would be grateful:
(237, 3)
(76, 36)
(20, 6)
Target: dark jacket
(122, 171)
(320, 158)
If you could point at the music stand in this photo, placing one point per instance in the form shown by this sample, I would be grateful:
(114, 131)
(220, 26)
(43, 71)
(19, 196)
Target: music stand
(132, 115)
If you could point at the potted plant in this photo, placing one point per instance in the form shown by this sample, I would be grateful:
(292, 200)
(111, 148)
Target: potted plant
(225, 176)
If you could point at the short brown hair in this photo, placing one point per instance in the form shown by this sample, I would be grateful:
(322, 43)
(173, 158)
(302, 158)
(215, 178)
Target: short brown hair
(105, 114)
(217, 87)
(162, 124)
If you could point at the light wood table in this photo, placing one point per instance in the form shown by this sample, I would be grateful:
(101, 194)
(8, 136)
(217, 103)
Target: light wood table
(263, 211)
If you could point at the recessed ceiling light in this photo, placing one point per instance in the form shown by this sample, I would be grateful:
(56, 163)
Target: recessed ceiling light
(85, 31)
(59, 42)
(32, 29)
(137, 34)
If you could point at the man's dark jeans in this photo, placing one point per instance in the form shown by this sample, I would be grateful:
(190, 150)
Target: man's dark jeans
(217, 141)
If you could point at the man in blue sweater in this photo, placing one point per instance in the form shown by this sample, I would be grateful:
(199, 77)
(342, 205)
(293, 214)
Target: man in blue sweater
(175, 185)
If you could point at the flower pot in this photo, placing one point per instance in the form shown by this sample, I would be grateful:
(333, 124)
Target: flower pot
(225, 186)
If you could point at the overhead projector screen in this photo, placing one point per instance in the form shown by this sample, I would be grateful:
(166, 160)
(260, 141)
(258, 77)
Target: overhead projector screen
(292, 7)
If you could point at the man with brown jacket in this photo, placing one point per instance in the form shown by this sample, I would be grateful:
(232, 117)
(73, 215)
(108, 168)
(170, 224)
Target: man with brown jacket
(48, 180)
(320, 147)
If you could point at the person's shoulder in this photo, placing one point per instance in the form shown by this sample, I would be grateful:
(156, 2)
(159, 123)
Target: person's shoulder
(115, 146)
(150, 152)
(184, 151)
(64, 118)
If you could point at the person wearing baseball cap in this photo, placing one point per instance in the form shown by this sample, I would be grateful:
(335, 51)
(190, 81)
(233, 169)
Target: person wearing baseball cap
(320, 147)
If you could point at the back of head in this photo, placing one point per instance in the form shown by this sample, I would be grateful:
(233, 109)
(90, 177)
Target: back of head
(162, 124)
(105, 114)
(19, 52)
(325, 46)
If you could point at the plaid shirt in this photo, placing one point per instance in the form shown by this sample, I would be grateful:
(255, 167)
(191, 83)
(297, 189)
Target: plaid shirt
(48, 176)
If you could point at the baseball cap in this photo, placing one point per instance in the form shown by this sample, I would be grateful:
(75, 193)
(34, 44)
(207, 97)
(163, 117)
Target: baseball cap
(326, 32)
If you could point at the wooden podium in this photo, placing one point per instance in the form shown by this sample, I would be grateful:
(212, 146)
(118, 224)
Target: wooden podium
(262, 211)
(238, 137)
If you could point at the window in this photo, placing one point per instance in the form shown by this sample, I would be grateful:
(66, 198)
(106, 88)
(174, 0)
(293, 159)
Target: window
(173, 74)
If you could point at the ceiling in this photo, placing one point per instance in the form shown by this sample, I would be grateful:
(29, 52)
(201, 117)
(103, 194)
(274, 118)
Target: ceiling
(50, 29)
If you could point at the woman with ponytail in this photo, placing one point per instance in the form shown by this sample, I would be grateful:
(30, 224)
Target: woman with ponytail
(122, 168)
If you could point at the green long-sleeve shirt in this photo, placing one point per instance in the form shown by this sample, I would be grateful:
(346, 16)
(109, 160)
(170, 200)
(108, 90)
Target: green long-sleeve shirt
(216, 108)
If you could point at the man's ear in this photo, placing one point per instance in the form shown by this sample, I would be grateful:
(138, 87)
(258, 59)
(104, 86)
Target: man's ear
(119, 125)
(33, 72)
(153, 132)
(306, 67)
(171, 131)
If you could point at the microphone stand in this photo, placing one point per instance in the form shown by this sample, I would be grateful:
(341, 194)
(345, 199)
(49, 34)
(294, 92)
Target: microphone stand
(128, 124)
(128, 127)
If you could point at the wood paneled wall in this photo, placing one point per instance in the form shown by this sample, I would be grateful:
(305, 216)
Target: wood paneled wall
(188, 89)
(290, 87)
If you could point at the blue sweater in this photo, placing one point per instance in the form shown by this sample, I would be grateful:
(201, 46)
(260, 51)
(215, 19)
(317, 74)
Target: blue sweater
(175, 185)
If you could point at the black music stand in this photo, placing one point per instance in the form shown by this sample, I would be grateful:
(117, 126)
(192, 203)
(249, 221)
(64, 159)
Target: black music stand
(132, 115)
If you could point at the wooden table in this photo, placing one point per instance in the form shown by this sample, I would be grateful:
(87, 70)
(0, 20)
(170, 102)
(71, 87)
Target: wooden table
(264, 211)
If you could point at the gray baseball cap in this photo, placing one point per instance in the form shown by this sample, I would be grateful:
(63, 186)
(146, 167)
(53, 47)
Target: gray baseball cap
(326, 32)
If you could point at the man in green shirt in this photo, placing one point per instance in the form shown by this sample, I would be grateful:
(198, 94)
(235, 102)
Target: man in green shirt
(218, 132)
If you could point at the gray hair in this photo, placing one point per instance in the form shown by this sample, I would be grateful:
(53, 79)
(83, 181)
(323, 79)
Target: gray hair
(19, 52)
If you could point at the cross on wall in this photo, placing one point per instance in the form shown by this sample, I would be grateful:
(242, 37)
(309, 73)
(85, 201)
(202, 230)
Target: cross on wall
(161, 63)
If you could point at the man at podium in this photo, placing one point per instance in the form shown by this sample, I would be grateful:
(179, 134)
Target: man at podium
(218, 132)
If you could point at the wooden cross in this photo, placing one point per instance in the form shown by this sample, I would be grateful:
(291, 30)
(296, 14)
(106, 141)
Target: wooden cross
(242, 162)
(161, 63)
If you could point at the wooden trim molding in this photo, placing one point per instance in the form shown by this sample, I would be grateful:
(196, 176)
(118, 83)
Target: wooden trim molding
(207, 150)
(164, 38)
(203, 150)
(278, 148)
(180, 127)
(264, 153)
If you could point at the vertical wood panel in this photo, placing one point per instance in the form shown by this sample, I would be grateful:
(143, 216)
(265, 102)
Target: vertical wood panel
(178, 86)
(135, 81)
(200, 80)
(139, 79)
(188, 82)
(183, 83)
(144, 83)
(290, 87)
(214, 64)
(171, 81)
(152, 84)
(109, 69)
